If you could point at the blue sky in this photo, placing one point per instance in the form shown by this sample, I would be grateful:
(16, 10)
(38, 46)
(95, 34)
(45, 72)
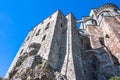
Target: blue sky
(17, 17)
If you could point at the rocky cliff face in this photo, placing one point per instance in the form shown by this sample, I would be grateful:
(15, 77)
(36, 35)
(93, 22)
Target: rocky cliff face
(97, 65)
(39, 70)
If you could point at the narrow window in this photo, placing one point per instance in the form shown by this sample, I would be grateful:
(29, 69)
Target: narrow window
(101, 39)
(61, 25)
(92, 16)
(37, 33)
(47, 26)
(44, 37)
(28, 38)
(21, 51)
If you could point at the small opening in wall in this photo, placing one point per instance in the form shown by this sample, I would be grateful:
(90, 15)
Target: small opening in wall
(47, 26)
(93, 22)
(37, 33)
(115, 10)
(92, 16)
(101, 39)
(107, 36)
(61, 25)
(102, 14)
(44, 37)
(28, 38)
(21, 51)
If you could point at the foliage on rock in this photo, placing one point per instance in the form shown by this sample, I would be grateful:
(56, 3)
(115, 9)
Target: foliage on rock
(115, 78)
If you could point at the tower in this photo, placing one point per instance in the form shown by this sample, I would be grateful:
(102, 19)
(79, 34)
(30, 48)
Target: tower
(57, 50)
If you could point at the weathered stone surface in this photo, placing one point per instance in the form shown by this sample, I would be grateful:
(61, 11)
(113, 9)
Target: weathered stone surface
(110, 27)
(95, 36)
(57, 50)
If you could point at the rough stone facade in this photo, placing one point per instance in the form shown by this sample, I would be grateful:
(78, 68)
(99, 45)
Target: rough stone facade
(57, 50)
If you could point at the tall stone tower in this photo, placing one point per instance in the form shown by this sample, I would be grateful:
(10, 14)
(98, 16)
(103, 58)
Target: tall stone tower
(57, 50)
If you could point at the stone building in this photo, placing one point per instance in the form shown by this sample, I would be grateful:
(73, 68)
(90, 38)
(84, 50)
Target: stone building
(57, 50)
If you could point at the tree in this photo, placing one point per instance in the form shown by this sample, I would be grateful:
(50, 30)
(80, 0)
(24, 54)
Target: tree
(115, 78)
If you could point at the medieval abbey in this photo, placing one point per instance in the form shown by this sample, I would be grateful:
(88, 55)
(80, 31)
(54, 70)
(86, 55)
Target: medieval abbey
(57, 50)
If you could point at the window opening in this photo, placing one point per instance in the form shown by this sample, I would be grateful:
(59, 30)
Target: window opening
(21, 51)
(61, 25)
(47, 26)
(28, 38)
(101, 39)
(107, 36)
(44, 37)
(37, 33)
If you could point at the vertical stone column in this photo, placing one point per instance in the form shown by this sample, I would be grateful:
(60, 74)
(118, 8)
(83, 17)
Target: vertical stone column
(68, 66)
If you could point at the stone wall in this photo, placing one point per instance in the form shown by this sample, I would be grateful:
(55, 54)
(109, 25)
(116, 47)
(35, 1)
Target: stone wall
(56, 50)
(110, 28)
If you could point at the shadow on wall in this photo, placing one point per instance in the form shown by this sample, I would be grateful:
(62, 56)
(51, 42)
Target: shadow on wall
(76, 53)
(58, 47)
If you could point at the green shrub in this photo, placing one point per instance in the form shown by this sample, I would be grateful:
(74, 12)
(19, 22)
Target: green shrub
(115, 78)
